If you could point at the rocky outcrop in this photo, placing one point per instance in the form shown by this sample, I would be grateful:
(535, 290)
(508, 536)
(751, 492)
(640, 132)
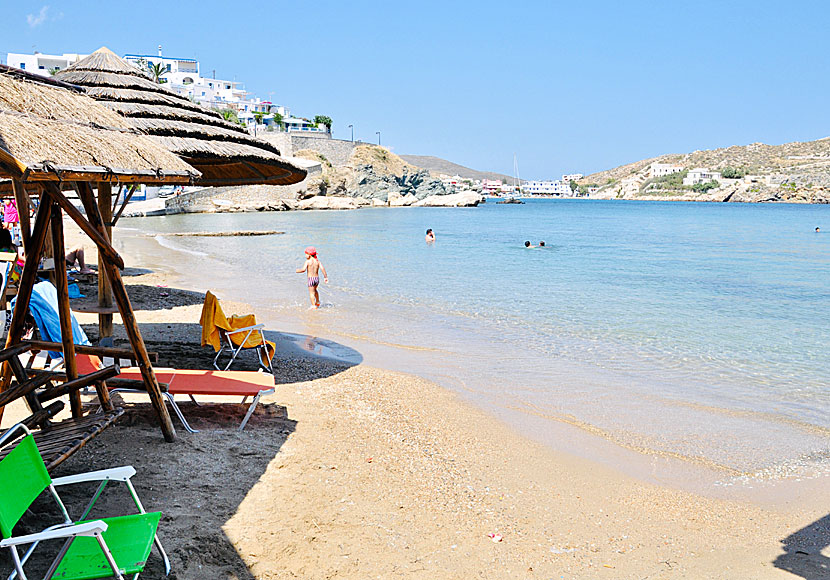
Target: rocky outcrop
(373, 176)
(327, 202)
(461, 199)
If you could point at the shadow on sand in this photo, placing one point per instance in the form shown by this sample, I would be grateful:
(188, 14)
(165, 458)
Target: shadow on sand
(802, 551)
(199, 481)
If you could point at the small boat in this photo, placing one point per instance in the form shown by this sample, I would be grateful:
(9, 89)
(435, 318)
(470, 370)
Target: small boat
(517, 184)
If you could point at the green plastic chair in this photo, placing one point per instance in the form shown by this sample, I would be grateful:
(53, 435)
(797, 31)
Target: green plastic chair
(103, 548)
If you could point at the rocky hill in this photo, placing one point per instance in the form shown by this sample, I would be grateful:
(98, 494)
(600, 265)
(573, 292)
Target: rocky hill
(372, 172)
(436, 165)
(793, 172)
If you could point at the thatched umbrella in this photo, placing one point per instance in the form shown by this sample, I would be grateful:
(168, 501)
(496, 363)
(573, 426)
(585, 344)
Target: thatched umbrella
(224, 152)
(54, 137)
(49, 133)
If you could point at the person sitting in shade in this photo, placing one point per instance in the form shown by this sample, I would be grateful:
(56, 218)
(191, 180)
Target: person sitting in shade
(76, 256)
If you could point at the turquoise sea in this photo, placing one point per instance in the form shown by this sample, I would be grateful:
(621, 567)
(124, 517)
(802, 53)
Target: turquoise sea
(670, 331)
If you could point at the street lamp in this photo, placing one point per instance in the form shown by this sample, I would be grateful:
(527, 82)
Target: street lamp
(352, 128)
(378, 134)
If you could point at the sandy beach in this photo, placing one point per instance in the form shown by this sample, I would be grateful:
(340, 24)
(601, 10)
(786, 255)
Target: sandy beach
(355, 472)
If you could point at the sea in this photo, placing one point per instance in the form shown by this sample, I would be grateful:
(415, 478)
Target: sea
(663, 338)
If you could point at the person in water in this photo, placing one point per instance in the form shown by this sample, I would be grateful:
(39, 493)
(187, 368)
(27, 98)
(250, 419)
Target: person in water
(312, 268)
(818, 229)
(542, 244)
(430, 237)
(527, 245)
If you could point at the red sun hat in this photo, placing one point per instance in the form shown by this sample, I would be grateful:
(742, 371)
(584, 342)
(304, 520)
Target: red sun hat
(311, 251)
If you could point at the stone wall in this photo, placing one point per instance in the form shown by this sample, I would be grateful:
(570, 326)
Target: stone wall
(337, 151)
(240, 198)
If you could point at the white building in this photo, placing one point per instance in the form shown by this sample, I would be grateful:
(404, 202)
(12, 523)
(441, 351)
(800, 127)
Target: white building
(572, 177)
(183, 76)
(663, 169)
(547, 187)
(701, 175)
(491, 186)
(42, 64)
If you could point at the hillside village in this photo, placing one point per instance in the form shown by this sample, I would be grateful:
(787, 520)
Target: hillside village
(796, 172)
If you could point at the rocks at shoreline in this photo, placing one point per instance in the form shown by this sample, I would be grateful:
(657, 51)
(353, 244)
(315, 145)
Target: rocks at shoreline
(373, 176)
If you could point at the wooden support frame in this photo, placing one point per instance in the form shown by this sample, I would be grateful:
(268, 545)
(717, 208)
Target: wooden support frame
(97, 225)
(24, 293)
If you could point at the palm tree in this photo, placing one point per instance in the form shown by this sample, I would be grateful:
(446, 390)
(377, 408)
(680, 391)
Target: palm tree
(157, 70)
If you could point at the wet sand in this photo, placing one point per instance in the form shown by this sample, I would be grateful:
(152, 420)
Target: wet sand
(355, 472)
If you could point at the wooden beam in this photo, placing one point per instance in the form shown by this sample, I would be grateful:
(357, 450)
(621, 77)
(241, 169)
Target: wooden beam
(132, 190)
(102, 242)
(64, 310)
(24, 292)
(128, 318)
(21, 196)
(74, 385)
(104, 288)
(99, 351)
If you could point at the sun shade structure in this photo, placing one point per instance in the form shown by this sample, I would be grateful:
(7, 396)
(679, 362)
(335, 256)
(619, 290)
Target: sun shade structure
(223, 152)
(51, 133)
(54, 138)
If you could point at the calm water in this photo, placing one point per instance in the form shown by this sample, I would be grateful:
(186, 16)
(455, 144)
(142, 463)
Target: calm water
(696, 331)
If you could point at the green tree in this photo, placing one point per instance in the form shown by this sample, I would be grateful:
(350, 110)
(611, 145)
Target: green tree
(259, 116)
(278, 121)
(704, 187)
(323, 120)
(574, 185)
(157, 70)
(734, 172)
(230, 116)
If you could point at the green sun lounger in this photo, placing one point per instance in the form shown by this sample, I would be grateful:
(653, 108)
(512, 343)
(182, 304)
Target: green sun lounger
(103, 548)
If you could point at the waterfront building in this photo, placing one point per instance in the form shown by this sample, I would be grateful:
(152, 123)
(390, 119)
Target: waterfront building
(491, 186)
(663, 169)
(572, 177)
(701, 175)
(557, 187)
(42, 64)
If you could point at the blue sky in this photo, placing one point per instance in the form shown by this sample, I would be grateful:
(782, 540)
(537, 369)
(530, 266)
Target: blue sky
(567, 86)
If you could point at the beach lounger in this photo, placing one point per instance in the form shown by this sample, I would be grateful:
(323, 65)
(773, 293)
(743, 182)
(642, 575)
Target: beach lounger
(92, 548)
(232, 335)
(194, 382)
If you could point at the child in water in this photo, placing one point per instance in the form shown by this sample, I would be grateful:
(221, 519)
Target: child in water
(312, 268)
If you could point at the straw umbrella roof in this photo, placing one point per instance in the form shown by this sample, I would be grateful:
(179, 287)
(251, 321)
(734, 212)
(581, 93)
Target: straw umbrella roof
(223, 152)
(50, 131)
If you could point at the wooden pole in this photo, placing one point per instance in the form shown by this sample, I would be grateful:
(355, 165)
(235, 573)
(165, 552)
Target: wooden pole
(104, 287)
(21, 196)
(64, 311)
(27, 280)
(128, 317)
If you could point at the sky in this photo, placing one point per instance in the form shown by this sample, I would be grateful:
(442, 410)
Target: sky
(568, 87)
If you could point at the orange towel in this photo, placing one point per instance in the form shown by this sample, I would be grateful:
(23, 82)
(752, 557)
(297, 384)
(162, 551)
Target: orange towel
(213, 320)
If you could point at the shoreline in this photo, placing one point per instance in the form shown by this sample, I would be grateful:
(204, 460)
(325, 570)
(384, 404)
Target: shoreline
(357, 472)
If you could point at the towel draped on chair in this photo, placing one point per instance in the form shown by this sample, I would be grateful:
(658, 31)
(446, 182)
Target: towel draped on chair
(213, 321)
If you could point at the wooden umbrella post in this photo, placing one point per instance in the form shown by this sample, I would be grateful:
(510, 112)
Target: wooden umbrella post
(127, 315)
(104, 287)
(27, 280)
(64, 311)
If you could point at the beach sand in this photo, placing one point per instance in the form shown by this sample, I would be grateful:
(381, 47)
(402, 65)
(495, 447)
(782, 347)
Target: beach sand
(354, 472)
